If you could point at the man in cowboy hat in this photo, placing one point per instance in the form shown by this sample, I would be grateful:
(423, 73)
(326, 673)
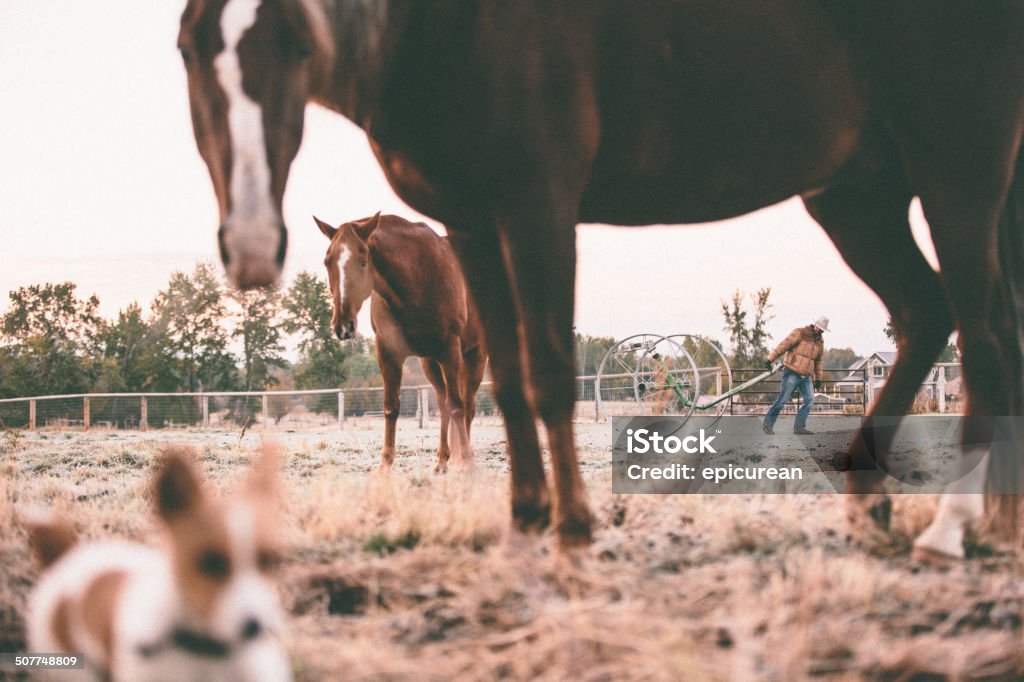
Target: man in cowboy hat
(804, 348)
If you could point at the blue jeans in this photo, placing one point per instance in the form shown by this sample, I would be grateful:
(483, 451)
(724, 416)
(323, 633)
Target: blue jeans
(790, 382)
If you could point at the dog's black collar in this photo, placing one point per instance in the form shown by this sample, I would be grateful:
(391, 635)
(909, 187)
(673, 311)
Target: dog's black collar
(193, 642)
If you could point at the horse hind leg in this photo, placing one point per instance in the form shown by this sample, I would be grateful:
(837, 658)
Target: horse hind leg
(865, 213)
(458, 437)
(432, 370)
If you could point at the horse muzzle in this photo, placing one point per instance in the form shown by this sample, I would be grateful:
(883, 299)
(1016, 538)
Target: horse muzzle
(345, 330)
(252, 254)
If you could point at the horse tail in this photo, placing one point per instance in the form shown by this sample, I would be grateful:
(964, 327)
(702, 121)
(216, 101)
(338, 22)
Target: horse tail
(1006, 463)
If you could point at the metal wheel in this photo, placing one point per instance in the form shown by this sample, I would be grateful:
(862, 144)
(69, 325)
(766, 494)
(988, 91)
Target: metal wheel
(614, 387)
(715, 374)
(666, 381)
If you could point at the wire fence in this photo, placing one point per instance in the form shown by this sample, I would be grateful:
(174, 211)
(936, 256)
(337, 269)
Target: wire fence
(843, 392)
(232, 409)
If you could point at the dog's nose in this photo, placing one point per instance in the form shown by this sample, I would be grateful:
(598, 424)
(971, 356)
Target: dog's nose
(251, 629)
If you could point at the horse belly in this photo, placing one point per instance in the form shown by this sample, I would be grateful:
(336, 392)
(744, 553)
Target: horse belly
(419, 331)
(709, 110)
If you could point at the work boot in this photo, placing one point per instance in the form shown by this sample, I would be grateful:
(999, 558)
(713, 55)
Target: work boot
(803, 432)
(767, 429)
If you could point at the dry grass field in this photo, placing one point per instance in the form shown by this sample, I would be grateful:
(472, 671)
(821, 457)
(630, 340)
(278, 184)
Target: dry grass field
(408, 577)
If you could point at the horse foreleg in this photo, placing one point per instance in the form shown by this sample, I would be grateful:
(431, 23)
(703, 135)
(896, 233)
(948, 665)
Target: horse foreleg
(432, 370)
(865, 207)
(480, 253)
(542, 252)
(391, 370)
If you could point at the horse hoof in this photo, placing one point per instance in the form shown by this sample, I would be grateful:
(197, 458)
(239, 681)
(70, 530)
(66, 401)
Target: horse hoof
(574, 533)
(441, 468)
(531, 517)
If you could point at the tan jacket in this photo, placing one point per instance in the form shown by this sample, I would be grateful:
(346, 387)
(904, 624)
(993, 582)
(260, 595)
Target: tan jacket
(803, 352)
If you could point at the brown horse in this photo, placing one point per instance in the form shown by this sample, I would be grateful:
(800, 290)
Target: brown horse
(511, 122)
(418, 306)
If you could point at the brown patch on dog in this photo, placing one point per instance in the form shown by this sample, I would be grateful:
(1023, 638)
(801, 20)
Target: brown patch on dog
(50, 539)
(60, 625)
(98, 608)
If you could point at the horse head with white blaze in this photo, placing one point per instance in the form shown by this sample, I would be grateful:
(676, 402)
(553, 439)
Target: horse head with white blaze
(349, 271)
(251, 66)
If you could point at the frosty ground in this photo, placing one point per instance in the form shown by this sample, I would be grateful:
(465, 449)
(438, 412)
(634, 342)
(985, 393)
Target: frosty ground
(408, 577)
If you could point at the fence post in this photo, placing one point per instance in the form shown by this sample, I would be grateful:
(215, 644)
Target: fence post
(85, 414)
(204, 401)
(32, 415)
(266, 410)
(143, 414)
(341, 410)
(424, 407)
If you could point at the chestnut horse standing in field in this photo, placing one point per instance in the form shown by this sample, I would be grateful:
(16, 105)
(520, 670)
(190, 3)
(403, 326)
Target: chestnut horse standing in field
(511, 122)
(419, 306)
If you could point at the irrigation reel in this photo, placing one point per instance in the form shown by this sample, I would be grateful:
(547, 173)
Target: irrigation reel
(677, 375)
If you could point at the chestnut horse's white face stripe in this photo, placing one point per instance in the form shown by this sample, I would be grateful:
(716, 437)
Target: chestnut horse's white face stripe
(250, 186)
(343, 255)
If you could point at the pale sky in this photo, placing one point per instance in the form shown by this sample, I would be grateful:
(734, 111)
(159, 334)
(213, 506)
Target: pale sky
(101, 184)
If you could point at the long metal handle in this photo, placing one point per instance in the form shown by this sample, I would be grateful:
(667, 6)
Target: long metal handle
(730, 393)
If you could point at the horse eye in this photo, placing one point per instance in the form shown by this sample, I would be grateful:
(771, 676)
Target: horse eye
(363, 264)
(214, 564)
(304, 50)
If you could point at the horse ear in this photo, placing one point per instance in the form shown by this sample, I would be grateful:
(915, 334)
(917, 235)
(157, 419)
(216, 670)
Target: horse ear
(325, 228)
(365, 229)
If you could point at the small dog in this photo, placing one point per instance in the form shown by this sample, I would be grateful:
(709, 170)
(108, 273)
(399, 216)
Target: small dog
(203, 609)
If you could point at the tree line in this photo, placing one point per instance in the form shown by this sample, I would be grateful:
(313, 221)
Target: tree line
(197, 334)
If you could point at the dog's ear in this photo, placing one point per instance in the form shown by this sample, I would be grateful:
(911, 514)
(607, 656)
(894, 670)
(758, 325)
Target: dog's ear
(177, 487)
(262, 481)
(50, 535)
